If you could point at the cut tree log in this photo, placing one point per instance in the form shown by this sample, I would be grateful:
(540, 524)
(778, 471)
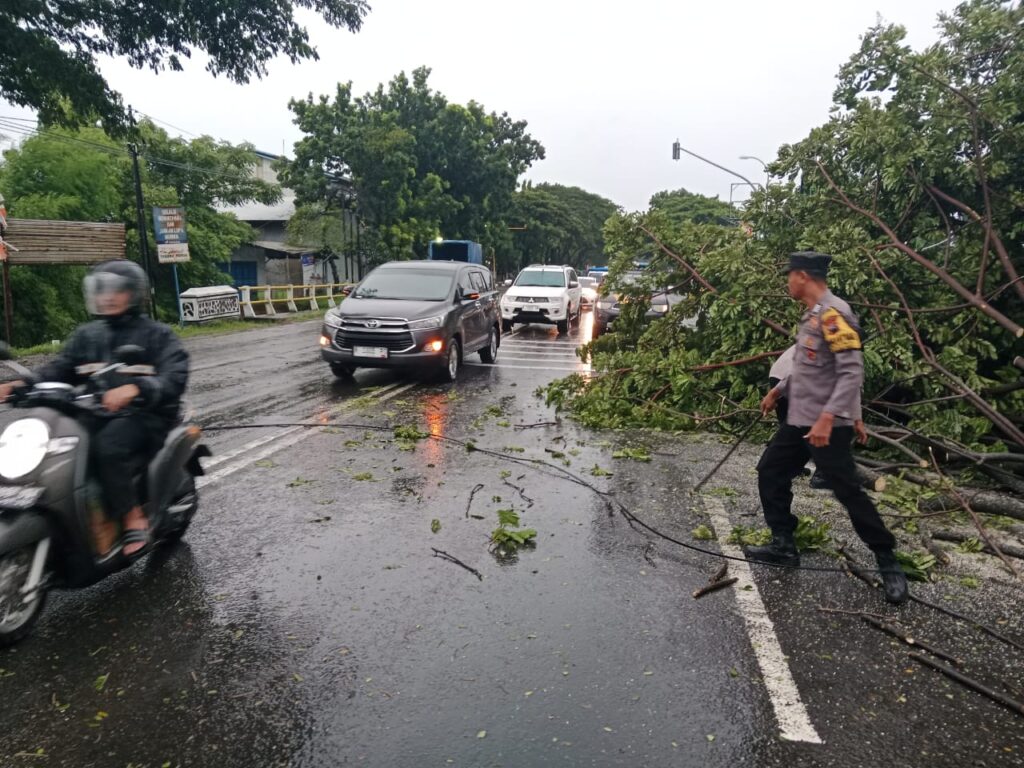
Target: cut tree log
(986, 502)
(958, 538)
(870, 479)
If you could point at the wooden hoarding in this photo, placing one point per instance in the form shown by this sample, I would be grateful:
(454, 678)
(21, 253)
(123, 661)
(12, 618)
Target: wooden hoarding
(63, 242)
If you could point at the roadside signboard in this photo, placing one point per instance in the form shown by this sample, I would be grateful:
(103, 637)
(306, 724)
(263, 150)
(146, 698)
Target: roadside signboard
(171, 237)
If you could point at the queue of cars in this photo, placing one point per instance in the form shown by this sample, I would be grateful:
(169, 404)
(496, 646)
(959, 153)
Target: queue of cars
(429, 315)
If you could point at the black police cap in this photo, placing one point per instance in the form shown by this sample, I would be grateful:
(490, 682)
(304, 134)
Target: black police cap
(813, 263)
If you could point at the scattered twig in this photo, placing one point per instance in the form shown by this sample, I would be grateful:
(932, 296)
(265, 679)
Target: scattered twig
(889, 628)
(719, 574)
(451, 559)
(714, 587)
(476, 489)
(968, 620)
(647, 553)
(970, 682)
(538, 424)
(520, 491)
(853, 569)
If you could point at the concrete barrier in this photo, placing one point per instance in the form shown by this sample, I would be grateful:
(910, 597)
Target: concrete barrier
(265, 297)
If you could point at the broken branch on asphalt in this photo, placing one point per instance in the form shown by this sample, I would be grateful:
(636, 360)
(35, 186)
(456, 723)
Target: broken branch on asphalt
(452, 559)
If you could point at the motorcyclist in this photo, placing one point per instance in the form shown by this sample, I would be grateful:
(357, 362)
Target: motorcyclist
(146, 406)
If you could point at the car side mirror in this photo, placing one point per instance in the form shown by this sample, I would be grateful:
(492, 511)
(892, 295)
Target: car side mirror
(346, 290)
(508, 283)
(471, 296)
(130, 354)
(573, 284)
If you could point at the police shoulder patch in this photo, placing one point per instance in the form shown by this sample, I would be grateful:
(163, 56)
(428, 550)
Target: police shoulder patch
(839, 334)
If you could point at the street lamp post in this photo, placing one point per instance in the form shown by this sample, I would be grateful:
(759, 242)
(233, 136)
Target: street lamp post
(767, 176)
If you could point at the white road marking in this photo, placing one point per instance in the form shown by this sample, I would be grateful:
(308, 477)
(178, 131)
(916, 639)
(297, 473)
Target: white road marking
(794, 722)
(287, 438)
(499, 364)
(261, 441)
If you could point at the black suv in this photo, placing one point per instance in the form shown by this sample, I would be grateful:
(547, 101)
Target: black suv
(414, 314)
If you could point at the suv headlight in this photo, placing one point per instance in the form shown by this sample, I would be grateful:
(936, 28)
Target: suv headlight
(332, 319)
(426, 323)
(23, 446)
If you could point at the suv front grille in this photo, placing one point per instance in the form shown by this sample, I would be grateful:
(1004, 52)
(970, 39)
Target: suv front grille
(392, 333)
(394, 342)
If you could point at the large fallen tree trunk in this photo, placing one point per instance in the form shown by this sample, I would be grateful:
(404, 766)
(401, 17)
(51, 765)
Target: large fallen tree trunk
(959, 538)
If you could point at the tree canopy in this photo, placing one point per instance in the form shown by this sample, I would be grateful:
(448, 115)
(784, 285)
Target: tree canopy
(413, 165)
(85, 176)
(49, 57)
(915, 184)
(680, 205)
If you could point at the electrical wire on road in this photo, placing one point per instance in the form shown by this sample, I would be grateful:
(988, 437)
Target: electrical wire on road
(553, 470)
(635, 521)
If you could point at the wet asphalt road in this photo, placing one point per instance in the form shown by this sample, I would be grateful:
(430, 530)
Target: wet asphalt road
(306, 623)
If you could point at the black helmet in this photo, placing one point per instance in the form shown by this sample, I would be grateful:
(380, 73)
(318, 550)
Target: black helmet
(114, 277)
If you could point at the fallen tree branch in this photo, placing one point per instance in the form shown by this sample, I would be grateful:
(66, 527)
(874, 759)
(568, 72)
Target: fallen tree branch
(451, 559)
(852, 568)
(479, 487)
(959, 538)
(892, 629)
(898, 446)
(978, 524)
(968, 620)
(970, 682)
(538, 424)
(982, 306)
(714, 587)
(731, 451)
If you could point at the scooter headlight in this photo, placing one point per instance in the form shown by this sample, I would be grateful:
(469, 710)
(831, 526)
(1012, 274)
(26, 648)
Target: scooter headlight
(23, 446)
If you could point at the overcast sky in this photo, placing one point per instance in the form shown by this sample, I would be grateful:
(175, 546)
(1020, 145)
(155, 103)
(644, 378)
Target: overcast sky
(605, 87)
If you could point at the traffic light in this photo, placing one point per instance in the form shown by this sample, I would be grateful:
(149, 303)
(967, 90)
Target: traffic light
(676, 150)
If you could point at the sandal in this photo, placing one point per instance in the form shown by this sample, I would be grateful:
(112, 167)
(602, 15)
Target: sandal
(135, 536)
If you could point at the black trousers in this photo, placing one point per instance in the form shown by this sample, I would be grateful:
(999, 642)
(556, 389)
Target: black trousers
(121, 449)
(783, 459)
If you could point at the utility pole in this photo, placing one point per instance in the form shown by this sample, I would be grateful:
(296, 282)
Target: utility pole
(140, 212)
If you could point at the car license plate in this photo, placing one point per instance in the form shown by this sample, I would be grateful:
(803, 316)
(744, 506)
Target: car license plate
(378, 353)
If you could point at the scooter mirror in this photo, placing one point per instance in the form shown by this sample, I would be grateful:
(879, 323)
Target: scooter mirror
(130, 354)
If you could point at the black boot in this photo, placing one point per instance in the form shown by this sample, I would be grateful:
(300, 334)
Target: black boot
(781, 550)
(894, 580)
(818, 480)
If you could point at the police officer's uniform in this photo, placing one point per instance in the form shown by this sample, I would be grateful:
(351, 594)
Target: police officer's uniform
(827, 374)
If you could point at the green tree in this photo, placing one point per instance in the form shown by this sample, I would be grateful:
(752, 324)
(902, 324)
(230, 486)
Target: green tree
(680, 206)
(915, 185)
(412, 165)
(86, 176)
(48, 60)
(591, 211)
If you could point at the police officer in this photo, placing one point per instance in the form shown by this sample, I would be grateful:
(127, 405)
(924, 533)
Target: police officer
(823, 390)
(779, 372)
